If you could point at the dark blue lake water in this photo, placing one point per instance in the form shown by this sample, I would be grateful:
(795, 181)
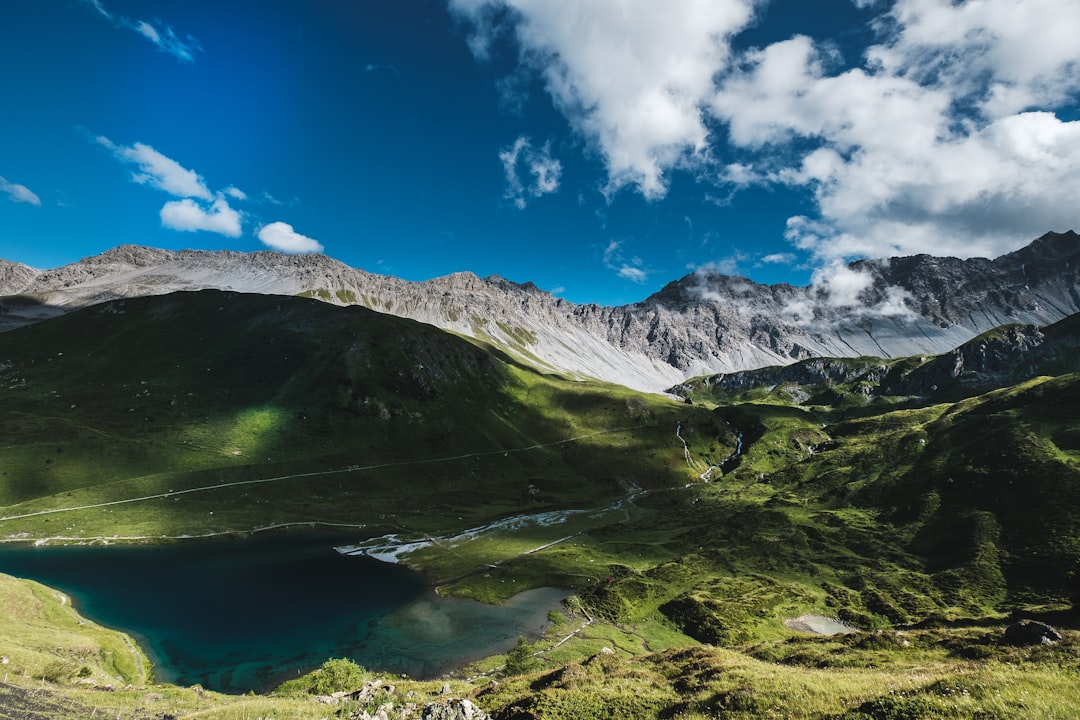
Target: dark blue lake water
(239, 615)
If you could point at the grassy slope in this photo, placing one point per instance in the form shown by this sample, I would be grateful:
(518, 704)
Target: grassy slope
(877, 513)
(156, 396)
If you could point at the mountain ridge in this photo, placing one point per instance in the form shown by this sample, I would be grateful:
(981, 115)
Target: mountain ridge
(702, 324)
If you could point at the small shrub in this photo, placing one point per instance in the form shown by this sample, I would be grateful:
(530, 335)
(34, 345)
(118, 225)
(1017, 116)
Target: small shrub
(520, 660)
(60, 671)
(895, 707)
(335, 675)
(742, 700)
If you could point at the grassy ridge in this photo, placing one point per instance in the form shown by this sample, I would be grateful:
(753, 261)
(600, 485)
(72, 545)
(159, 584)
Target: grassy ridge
(932, 517)
(155, 396)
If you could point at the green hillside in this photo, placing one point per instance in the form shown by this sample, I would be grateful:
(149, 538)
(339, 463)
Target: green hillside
(925, 522)
(212, 412)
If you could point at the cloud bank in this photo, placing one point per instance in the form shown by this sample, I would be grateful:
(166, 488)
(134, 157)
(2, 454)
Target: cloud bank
(633, 78)
(951, 133)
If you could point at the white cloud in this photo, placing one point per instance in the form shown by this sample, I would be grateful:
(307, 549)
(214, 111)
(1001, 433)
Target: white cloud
(631, 77)
(926, 148)
(545, 171)
(724, 266)
(837, 286)
(281, 236)
(96, 4)
(188, 215)
(160, 171)
(628, 268)
(632, 273)
(950, 135)
(779, 259)
(147, 31)
(199, 207)
(18, 193)
(1027, 49)
(161, 35)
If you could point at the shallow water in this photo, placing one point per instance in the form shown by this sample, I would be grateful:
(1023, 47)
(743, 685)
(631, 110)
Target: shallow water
(241, 615)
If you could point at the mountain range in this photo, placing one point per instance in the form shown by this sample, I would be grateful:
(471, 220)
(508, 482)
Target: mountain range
(918, 490)
(705, 323)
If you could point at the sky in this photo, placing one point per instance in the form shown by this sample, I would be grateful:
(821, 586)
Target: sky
(598, 148)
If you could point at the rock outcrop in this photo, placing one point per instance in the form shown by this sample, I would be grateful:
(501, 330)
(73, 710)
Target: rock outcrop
(1031, 632)
(1000, 357)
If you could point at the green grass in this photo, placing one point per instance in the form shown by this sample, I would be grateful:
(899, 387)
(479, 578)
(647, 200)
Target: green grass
(344, 411)
(43, 637)
(883, 514)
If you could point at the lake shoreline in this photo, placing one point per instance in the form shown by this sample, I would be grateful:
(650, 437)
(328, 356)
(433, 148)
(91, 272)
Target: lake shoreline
(244, 612)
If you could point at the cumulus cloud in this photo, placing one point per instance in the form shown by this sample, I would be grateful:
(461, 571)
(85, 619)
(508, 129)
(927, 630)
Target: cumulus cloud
(541, 170)
(952, 134)
(281, 236)
(199, 207)
(18, 193)
(188, 215)
(944, 142)
(1010, 56)
(837, 286)
(161, 35)
(631, 78)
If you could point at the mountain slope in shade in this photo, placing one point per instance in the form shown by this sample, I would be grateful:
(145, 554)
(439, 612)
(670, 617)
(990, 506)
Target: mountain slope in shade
(704, 323)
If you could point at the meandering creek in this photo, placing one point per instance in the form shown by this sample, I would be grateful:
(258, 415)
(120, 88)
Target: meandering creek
(239, 615)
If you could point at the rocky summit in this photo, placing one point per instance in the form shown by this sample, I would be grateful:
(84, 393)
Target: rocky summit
(702, 324)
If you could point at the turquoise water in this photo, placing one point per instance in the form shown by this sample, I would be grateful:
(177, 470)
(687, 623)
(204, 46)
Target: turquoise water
(241, 615)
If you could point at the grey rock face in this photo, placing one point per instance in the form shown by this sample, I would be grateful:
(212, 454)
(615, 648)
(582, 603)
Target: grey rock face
(15, 277)
(703, 324)
(456, 709)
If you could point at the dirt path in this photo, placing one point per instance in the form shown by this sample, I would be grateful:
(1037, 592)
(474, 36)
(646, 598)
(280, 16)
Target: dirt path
(280, 478)
(22, 538)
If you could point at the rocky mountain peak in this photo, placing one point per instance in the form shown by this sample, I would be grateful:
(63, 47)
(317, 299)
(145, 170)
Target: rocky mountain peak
(132, 255)
(704, 323)
(15, 277)
(459, 281)
(514, 287)
(1048, 247)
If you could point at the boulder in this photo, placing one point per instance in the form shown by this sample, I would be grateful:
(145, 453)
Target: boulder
(455, 709)
(1031, 632)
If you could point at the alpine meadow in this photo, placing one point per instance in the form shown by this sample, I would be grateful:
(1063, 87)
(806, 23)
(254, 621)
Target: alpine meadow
(844, 537)
(540, 360)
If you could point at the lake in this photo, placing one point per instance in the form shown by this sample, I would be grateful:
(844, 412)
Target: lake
(239, 615)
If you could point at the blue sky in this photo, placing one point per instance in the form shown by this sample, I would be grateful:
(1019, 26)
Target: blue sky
(599, 149)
